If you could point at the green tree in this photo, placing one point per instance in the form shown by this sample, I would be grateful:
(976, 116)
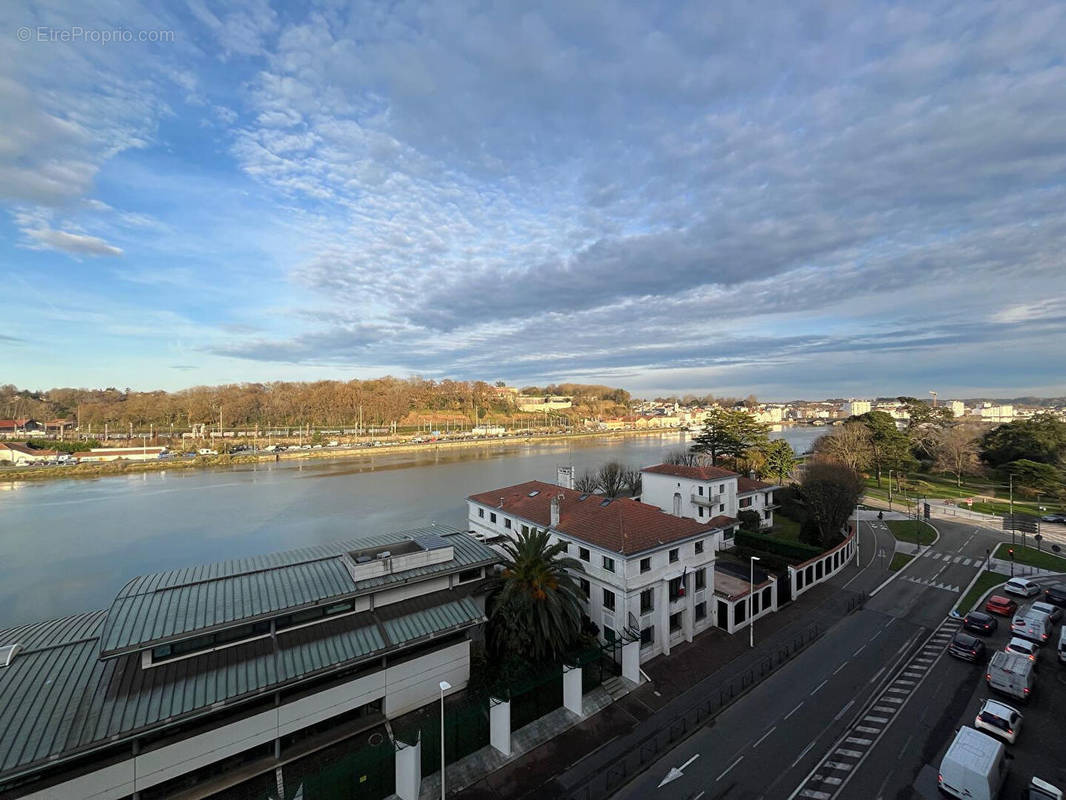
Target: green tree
(1040, 438)
(1035, 476)
(749, 521)
(889, 446)
(780, 460)
(830, 493)
(729, 434)
(534, 603)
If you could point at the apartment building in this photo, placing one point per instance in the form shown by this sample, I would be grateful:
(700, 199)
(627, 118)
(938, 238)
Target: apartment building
(703, 493)
(197, 678)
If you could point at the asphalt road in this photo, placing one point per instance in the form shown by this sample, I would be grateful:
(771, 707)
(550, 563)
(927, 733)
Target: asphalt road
(790, 726)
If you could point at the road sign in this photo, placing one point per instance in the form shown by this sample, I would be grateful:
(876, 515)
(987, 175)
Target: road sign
(1021, 522)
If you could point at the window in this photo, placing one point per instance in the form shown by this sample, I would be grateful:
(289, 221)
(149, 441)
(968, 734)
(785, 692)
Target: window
(700, 511)
(729, 532)
(564, 545)
(721, 489)
(583, 554)
(701, 579)
(699, 547)
(609, 635)
(586, 588)
(701, 491)
(608, 599)
(766, 514)
(677, 589)
(674, 556)
(481, 513)
(525, 530)
(645, 565)
(220, 638)
(701, 610)
(647, 636)
(469, 575)
(492, 517)
(647, 601)
(507, 522)
(676, 621)
(721, 508)
(745, 502)
(740, 613)
(608, 564)
(769, 498)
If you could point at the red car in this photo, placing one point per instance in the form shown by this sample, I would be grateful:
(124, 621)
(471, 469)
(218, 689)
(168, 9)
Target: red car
(998, 604)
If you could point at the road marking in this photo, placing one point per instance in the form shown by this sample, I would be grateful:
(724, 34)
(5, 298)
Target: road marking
(841, 765)
(793, 711)
(874, 636)
(849, 753)
(844, 710)
(858, 651)
(820, 685)
(872, 718)
(815, 795)
(865, 729)
(739, 759)
(806, 750)
(843, 664)
(857, 740)
(877, 675)
(759, 740)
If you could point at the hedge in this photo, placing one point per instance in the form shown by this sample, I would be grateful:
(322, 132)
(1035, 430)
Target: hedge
(781, 547)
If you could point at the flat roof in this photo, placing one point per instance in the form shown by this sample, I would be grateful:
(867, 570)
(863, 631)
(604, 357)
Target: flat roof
(178, 604)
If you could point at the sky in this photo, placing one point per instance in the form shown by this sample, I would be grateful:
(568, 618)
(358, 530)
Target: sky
(792, 199)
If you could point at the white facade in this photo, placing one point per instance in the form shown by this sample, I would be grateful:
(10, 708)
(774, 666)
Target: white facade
(856, 407)
(704, 499)
(1002, 413)
(644, 588)
(958, 408)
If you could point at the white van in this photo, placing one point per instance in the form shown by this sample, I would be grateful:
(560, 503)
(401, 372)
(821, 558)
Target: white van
(1062, 644)
(1010, 674)
(974, 767)
(1033, 625)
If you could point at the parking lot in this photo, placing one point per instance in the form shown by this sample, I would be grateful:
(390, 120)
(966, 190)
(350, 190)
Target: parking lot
(1042, 738)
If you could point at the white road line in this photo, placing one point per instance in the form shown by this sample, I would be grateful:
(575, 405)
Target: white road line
(849, 753)
(872, 718)
(820, 685)
(865, 729)
(793, 711)
(857, 740)
(844, 710)
(759, 740)
(806, 750)
(858, 651)
(739, 759)
(877, 675)
(844, 664)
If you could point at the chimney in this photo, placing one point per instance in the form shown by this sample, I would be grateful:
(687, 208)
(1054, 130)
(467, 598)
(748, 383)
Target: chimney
(556, 501)
(751, 474)
(565, 477)
(500, 504)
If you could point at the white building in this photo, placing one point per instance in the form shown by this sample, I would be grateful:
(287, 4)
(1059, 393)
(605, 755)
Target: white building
(958, 408)
(21, 455)
(647, 574)
(701, 493)
(854, 408)
(998, 414)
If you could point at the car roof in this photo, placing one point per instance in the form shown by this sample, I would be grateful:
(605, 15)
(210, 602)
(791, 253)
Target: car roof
(979, 615)
(998, 598)
(997, 707)
(1024, 642)
(964, 638)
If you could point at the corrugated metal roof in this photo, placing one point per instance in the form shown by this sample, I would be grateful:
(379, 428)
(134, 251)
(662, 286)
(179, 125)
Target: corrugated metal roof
(181, 603)
(60, 697)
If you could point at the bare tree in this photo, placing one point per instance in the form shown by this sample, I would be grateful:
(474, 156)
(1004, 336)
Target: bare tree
(848, 444)
(685, 458)
(633, 481)
(830, 493)
(610, 478)
(587, 483)
(955, 450)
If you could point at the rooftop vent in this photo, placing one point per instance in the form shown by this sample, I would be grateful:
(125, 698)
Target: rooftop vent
(363, 559)
(534, 493)
(8, 653)
(385, 554)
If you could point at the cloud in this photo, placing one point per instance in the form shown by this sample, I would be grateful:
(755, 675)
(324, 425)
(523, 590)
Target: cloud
(74, 243)
(184, 367)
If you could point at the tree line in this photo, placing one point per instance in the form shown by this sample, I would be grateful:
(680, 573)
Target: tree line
(379, 401)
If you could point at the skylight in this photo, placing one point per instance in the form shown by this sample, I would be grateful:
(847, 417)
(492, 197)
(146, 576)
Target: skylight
(8, 653)
(534, 493)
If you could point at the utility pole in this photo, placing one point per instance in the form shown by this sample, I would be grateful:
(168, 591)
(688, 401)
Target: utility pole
(1012, 522)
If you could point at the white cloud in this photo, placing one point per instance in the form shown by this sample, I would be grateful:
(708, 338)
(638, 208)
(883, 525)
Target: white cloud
(73, 243)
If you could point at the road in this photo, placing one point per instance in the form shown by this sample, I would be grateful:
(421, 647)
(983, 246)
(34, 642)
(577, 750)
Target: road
(791, 729)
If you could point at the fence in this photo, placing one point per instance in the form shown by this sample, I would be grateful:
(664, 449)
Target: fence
(687, 721)
(466, 729)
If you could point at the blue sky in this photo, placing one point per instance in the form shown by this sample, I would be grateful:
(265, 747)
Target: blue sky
(796, 200)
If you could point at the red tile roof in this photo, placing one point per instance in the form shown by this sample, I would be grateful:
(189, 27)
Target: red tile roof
(748, 485)
(695, 473)
(622, 525)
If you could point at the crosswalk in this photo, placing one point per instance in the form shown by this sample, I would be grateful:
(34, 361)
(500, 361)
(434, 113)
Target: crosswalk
(948, 558)
(929, 582)
(829, 777)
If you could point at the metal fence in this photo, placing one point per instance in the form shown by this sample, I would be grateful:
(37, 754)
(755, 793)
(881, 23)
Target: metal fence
(686, 722)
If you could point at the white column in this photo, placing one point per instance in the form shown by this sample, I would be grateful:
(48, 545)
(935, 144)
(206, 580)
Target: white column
(631, 661)
(689, 623)
(409, 771)
(500, 725)
(663, 627)
(572, 689)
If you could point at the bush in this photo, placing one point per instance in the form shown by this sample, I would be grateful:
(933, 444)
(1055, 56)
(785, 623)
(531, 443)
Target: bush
(781, 547)
(749, 521)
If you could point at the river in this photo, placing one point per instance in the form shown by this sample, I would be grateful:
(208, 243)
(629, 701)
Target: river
(70, 545)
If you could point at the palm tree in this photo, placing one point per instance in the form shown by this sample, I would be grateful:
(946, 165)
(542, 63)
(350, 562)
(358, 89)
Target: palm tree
(534, 603)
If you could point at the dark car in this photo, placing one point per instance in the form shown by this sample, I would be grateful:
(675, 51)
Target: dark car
(1053, 518)
(966, 647)
(1056, 593)
(980, 622)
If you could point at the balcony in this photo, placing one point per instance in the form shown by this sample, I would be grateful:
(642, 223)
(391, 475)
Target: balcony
(711, 501)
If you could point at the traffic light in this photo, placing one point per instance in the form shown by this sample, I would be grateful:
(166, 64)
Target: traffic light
(1011, 551)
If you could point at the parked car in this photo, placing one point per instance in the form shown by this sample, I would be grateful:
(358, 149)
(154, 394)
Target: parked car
(207, 451)
(1000, 720)
(1062, 644)
(1061, 517)
(1046, 608)
(1017, 644)
(1023, 587)
(974, 767)
(1041, 790)
(998, 604)
(980, 622)
(1032, 625)
(966, 647)
(1056, 593)
(1011, 674)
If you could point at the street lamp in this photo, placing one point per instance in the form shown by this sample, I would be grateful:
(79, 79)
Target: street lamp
(444, 686)
(751, 603)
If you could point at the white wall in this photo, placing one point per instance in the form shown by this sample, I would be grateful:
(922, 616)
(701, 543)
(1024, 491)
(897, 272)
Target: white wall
(414, 683)
(658, 490)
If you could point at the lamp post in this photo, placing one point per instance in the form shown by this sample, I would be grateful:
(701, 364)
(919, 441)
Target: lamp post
(444, 686)
(751, 603)
(890, 490)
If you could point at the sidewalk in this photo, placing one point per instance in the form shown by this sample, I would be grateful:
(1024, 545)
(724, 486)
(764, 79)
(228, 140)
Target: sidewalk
(692, 673)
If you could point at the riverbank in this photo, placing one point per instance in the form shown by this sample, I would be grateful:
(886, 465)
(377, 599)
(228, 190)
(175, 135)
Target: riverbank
(225, 460)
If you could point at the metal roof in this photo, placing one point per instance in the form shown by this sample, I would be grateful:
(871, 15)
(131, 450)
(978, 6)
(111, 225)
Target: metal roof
(176, 604)
(59, 697)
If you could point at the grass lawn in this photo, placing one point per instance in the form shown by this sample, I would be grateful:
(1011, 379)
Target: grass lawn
(985, 582)
(904, 531)
(899, 561)
(785, 528)
(944, 487)
(1031, 557)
